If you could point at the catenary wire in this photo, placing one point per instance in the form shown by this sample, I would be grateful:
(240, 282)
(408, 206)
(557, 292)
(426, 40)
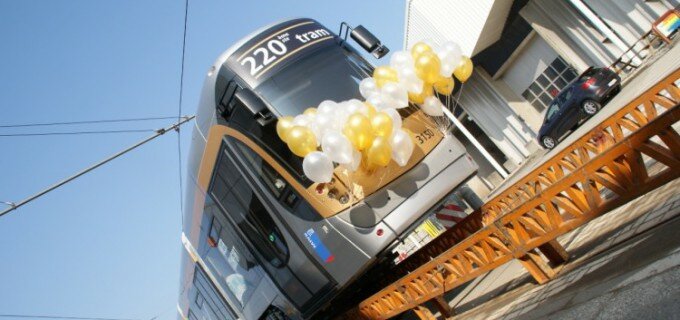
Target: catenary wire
(158, 133)
(33, 134)
(43, 124)
(57, 317)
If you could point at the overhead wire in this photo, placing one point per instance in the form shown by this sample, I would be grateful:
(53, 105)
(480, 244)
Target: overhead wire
(83, 122)
(57, 317)
(158, 133)
(180, 120)
(33, 134)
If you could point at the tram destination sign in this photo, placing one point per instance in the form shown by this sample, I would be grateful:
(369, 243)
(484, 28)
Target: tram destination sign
(273, 49)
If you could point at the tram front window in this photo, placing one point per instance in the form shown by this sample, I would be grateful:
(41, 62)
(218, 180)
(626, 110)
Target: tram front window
(328, 74)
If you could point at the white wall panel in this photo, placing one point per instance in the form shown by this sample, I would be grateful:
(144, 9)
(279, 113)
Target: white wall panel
(472, 24)
(492, 113)
(529, 64)
(630, 19)
(569, 33)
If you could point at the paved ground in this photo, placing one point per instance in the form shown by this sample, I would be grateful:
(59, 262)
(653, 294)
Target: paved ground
(642, 81)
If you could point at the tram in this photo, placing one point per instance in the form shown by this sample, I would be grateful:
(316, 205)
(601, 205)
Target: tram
(261, 240)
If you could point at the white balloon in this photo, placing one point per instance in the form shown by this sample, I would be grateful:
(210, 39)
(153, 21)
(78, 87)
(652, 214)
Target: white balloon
(452, 47)
(337, 147)
(397, 92)
(410, 80)
(323, 123)
(396, 118)
(432, 106)
(402, 147)
(303, 120)
(401, 59)
(355, 105)
(450, 55)
(356, 161)
(381, 101)
(446, 69)
(326, 107)
(367, 87)
(341, 115)
(318, 167)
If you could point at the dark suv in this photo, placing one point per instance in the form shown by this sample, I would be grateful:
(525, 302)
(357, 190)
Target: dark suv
(578, 101)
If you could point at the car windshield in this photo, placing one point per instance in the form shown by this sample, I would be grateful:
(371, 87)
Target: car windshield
(331, 73)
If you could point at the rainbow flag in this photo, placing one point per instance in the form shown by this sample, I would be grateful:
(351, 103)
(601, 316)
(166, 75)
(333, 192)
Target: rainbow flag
(669, 24)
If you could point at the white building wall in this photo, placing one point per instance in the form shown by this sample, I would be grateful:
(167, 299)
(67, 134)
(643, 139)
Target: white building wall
(474, 25)
(491, 113)
(570, 34)
(630, 19)
(529, 64)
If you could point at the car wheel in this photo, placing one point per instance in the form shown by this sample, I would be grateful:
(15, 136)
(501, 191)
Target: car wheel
(590, 107)
(548, 142)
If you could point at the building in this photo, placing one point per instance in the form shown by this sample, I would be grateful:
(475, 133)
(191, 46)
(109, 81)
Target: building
(525, 51)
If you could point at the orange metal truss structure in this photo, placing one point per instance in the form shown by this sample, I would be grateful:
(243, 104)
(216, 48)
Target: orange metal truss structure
(605, 168)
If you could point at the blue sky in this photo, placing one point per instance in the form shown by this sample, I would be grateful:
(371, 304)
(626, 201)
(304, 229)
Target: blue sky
(108, 244)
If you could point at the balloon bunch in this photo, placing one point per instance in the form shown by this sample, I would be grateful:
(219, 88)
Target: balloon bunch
(348, 133)
(424, 70)
(369, 132)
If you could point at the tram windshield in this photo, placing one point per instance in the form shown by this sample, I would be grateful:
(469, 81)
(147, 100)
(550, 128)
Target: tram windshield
(331, 73)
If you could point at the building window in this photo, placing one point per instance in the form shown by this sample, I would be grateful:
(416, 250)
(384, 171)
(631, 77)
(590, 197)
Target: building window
(549, 83)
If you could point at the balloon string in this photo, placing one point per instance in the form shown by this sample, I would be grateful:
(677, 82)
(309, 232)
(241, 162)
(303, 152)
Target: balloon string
(460, 92)
(449, 123)
(350, 188)
(440, 121)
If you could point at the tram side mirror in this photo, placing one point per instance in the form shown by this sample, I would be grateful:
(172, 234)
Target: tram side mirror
(369, 42)
(255, 105)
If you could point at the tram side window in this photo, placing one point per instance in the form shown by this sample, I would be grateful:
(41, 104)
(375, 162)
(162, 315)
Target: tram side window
(238, 201)
(192, 316)
(267, 137)
(199, 300)
(273, 180)
(208, 304)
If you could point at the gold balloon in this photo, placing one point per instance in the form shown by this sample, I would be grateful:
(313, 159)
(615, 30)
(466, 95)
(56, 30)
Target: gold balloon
(301, 140)
(420, 48)
(427, 67)
(382, 124)
(384, 74)
(380, 152)
(310, 111)
(283, 126)
(358, 131)
(464, 69)
(371, 110)
(420, 98)
(444, 85)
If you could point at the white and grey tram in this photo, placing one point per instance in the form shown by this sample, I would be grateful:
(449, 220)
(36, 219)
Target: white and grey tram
(262, 241)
